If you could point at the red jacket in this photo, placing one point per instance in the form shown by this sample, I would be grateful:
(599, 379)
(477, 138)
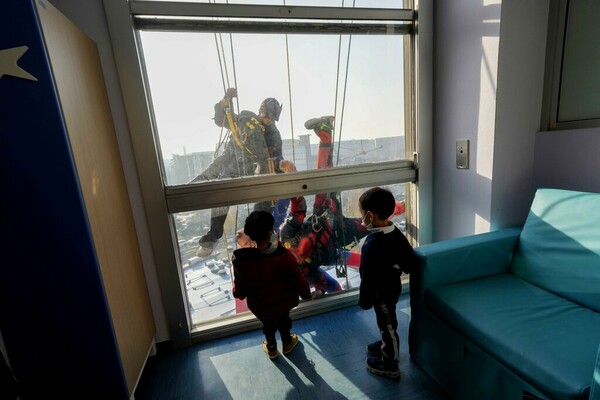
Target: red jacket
(271, 282)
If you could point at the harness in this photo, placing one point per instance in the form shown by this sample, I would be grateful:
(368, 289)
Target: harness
(239, 138)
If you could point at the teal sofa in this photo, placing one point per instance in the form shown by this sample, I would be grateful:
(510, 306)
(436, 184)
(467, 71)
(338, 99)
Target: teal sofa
(514, 313)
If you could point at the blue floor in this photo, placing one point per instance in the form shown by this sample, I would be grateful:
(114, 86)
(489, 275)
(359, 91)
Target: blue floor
(329, 363)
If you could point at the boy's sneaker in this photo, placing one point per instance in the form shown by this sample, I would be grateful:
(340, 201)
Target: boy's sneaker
(377, 366)
(323, 123)
(374, 349)
(206, 249)
(287, 348)
(272, 353)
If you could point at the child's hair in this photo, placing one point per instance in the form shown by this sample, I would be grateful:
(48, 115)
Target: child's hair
(379, 201)
(259, 225)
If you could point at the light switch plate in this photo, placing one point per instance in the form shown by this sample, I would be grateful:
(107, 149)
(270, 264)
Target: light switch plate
(462, 154)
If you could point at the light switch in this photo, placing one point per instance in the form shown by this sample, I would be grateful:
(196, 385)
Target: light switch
(462, 154)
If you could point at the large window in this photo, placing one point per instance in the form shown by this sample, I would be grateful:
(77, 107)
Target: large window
(347, 70)
(358, 78)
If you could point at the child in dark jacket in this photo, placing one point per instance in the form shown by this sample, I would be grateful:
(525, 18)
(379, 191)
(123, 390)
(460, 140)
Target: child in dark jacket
(385, 254)
(270, 277)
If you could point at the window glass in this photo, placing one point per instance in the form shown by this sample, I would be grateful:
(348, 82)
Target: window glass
(330, 266)
(357, 78)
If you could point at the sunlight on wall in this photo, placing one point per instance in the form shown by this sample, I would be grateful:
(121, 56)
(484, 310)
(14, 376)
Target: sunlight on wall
(484, 153)
(482, 225)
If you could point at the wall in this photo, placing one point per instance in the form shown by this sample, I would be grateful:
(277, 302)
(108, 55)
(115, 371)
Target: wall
(568, 159)
(518, 108)
(89, 16)
(489, 73)
(465, 73)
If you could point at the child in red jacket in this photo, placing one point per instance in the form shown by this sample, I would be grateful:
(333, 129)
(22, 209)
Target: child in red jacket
(269, 276)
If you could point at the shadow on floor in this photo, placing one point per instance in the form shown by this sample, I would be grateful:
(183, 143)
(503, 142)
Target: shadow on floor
(328, 363)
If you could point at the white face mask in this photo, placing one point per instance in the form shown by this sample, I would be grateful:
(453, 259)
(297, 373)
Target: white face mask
(369, 225)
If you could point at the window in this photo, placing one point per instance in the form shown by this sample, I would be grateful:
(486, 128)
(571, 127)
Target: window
(358, 78)
(353, 64)
(334, 267)
(572, 83)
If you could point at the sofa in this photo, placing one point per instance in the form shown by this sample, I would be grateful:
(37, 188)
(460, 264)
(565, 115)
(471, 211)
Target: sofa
(514, 313)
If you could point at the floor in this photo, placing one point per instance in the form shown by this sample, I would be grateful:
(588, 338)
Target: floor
(329, 363)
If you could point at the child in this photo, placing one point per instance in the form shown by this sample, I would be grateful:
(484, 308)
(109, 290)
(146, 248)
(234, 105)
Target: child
(269, 276)
(385, 254)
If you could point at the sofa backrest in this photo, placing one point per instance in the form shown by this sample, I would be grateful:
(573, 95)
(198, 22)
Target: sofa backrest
(559, 246)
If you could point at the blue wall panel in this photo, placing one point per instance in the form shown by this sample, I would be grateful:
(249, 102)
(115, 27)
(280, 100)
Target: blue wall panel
(53, 310)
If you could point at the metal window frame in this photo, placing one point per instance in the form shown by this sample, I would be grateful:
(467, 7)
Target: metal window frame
(161, 201)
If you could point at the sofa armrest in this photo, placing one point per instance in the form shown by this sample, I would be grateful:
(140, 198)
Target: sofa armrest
(462, 259)
(595, 391)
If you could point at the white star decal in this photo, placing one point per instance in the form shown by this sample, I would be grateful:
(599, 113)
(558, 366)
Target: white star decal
(8, 63)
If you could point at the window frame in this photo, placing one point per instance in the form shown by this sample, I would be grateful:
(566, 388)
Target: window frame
(162, 201)
(555, 49)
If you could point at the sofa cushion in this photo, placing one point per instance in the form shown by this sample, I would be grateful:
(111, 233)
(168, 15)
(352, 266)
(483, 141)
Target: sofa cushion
(559, 247)
(546, 339)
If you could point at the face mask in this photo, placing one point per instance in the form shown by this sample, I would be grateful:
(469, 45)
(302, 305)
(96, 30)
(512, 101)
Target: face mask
(369, 225)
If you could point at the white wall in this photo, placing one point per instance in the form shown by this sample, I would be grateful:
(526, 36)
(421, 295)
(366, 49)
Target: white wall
(89, 16)
(465, 74)
(489, 74)
(568, 159)
(518, 108)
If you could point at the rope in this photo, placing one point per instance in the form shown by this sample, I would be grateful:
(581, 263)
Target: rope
(287, 53)
(342, 260)
(337, 81)
(224, 59)
(230, 135)
(220, 63)
(237, 99)
(221, 138)
(344, 96)
(290, 95)
(337, 160)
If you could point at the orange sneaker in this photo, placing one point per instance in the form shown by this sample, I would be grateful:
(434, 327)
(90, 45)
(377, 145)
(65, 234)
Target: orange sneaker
(272, 353)
(287, 348)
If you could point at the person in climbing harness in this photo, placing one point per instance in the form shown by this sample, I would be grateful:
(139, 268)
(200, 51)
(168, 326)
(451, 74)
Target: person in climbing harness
(315, 240)
(254, 146)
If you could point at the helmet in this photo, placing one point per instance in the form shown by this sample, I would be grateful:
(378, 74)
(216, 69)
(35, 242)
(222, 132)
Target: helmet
(271, 107)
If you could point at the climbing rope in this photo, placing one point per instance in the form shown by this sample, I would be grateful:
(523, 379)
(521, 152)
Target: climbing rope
(233, 131)
(341, 265)
(337, 161)
(287, 53)
(237, 99)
